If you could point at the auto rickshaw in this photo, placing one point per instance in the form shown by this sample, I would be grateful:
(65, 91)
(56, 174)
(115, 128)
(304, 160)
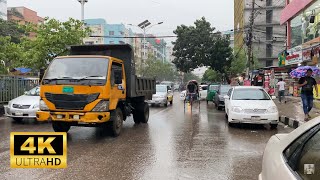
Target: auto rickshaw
(211, 92)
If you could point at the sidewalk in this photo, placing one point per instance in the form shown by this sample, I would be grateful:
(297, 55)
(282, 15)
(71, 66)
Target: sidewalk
(293, 109)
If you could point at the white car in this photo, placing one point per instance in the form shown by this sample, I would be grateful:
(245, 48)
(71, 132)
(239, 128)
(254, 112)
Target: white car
(24, 106)
(250, 104)
(183, 95)
(293, 156)
(163, 95)
(203, 92)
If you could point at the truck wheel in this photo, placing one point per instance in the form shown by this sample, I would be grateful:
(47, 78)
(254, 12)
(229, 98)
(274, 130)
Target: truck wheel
(15, 119)
(274, 126)
(116, 122)
(145, 114)
(141, 114)
(59, 126)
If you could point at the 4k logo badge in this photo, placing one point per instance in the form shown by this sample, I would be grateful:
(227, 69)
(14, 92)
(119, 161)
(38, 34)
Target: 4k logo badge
(38, 150)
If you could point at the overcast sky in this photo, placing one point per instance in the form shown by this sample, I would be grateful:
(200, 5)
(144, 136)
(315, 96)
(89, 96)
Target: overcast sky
(172, 12)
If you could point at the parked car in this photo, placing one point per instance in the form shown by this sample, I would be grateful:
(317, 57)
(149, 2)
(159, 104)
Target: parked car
(211, 92)
(163, 95)
(293, 156)
(219, 97)
(250, 104)
(203, 91)
(24, 106)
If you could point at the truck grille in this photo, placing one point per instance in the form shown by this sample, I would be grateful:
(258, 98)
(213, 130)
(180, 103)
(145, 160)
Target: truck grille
(255, 111)
(71, 101)
(18, 106)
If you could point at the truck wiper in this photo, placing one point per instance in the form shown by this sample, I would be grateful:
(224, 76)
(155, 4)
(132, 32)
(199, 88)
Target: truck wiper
(55, 79)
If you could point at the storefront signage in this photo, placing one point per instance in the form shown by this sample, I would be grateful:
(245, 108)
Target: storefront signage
(311, 52)
(294, 55)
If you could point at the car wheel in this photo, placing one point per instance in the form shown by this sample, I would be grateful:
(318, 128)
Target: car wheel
(16, 119)
(207, 102)
(166, 104)
(274, 126)
(60, 126)
(219, 108)
(171, 102)
(226, 116)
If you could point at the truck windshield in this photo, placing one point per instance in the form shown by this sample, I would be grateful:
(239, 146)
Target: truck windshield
(79, 71)
(161, 88)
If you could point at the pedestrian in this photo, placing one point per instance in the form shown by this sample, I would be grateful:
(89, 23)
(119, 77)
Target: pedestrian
(307, 83)
(281, 88)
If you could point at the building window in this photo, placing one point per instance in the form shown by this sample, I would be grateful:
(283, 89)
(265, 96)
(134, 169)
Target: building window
(111, 42)
(122, 33)
(269, 15)
(111, 33)
(269, 3)
(269, 63)
(269, 50)
(269, 33)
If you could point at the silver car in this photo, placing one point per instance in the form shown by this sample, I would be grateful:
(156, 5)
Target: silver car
(24, 106)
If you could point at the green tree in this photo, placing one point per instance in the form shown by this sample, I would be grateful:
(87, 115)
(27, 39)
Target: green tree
(53, 38)
(199, 45)
(11, 29)
(212, 76)
(162, 71)
(190, 76)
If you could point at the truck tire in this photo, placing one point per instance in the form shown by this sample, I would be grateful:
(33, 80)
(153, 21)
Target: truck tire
(116, 121)
(141, 113)
(60, 126)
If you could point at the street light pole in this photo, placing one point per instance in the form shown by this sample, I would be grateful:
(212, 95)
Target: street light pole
(82, 2)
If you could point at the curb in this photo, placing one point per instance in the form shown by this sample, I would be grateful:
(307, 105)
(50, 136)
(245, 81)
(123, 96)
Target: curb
(293, 123)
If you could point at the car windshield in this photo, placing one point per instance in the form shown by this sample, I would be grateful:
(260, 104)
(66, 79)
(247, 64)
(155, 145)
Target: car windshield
(213, 88)
(250, 94)
(33, 92)
(224, 89)
(67, 70)
(161, 88)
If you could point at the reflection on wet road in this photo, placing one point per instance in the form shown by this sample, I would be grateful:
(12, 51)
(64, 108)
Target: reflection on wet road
(174, 145)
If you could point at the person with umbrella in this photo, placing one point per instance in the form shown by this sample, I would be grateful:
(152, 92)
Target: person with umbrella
(307, 83)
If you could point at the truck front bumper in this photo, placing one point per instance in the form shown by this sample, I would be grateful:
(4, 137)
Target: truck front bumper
(87, 117)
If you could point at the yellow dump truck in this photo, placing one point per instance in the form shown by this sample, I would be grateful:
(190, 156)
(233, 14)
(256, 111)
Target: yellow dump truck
(96, 85)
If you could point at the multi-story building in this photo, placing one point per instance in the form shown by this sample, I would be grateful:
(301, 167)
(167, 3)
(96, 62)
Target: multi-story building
(302, 18)
(23, 15)
(268, 35)
(3, 9)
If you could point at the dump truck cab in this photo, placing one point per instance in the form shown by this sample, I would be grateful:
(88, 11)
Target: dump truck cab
(93, 87)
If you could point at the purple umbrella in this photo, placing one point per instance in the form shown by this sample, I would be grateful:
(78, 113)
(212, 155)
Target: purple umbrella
(302, 71)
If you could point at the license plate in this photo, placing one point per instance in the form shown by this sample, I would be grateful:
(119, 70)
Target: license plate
(19, 113)
(255, 118)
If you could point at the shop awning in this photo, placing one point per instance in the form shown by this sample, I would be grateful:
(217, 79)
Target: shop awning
(292, 9)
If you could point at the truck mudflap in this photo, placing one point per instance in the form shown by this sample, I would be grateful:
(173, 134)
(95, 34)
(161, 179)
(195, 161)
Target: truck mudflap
(88, 117)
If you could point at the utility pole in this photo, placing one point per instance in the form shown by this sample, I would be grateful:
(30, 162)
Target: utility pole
(249, 40)
(82, 2)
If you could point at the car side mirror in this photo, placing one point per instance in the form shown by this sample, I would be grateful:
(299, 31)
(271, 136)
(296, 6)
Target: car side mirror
(226, 97)
(273, 97)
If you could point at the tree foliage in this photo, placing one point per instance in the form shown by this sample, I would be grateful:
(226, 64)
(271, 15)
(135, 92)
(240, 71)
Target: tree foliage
(162, 71)
(200, 45)
(190, 76)
(12, 30)
(212, 76)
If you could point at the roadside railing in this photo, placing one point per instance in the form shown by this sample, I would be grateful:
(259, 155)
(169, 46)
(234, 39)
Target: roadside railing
(14, 86)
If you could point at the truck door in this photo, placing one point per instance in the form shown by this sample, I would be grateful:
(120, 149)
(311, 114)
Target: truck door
(117, 81)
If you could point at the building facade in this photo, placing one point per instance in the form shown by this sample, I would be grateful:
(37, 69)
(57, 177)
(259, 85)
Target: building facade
(24, 15)
(229, 34)
(302, 18)
(98, 31)
(3, 9)
(268, 35)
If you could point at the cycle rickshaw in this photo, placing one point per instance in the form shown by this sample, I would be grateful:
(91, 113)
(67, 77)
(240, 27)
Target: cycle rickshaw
(192, 94)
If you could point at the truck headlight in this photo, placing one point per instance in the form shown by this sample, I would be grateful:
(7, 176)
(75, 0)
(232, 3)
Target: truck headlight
(43, 106)
(236, 109)
(102, 106)
(273, 109)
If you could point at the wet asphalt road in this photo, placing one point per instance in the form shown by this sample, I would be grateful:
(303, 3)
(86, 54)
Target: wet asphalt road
(173, 145)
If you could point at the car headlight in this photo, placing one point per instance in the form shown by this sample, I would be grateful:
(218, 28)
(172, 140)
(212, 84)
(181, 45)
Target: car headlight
(10, 104)
(35, 106)
(273, 109)
(236, 109)
(102, 106)
(43, 106)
